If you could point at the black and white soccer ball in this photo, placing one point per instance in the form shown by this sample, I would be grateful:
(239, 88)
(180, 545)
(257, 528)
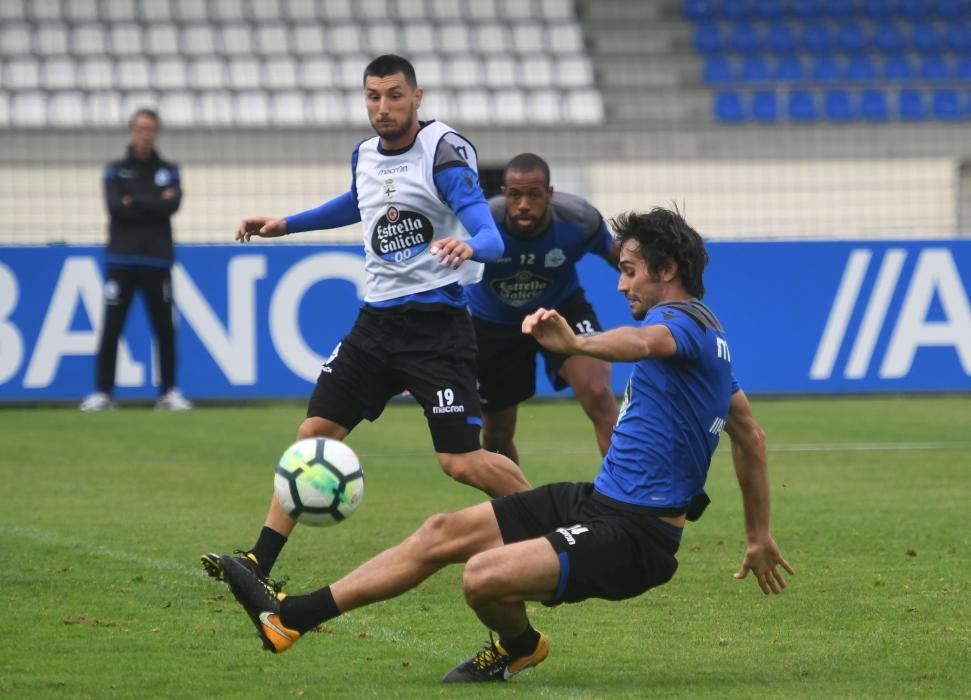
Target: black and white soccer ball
(319, 481)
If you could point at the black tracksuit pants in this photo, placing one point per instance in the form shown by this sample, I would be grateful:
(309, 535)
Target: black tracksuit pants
(156, 287)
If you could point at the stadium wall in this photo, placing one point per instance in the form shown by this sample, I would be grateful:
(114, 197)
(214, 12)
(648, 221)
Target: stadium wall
(257, 321)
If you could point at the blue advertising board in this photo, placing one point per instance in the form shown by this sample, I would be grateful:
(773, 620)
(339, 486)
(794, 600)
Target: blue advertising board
(257, 321)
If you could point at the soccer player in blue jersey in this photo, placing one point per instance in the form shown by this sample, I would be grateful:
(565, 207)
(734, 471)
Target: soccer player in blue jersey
(614, 538)
(545, 233)
(427, 230)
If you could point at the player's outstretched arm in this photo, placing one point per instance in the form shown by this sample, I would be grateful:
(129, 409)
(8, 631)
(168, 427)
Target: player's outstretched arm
(263, 226)
(762, 555)
(624, 344)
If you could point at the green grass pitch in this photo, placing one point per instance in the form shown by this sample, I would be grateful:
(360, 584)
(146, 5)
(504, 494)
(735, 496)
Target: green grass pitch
(103, 518)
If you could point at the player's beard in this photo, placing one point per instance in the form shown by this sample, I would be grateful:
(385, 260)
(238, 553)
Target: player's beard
(389, 132)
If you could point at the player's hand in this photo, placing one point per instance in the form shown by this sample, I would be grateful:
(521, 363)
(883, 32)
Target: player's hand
(263, 226)
(551, 331)
(451, 252)
(763, 559)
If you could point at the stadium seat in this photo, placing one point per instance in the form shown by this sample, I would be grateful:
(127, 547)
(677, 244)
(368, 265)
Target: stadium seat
(948, 9)
(789, 69)
(734, 9)
(190, 11)
(126, 40)
(877, 9)
(896, 67)
(453, 38)
(528, 37)
(412, 10)
(198, 40)
(103, 109)
(807, 9)
(910, 105)
(28, 109)
(228, 10)
(133, 74)
(543, 107)
(96, 74)
(207, 74)
(383, 37)
(288, 108)
(728, 107)
(300, 11)
(178, 108)
(236, 39)
(438, 104)
(718, 69)
(327, 108)
(769, 9)
(308, 40)
(169, 74)
(888, 37)
(838, 9)
(280, 73)
(536, 71)
(430, 69)
(317, 72)
(161, 39)
(573, 71)
(445, 9)
(754, 69)
(244, 73)
(137, 99)
(266, 11)
(473, 107)
(744, 38)
(873, 106)
(215, 108)
(88, 40)
(251, 109)
(925, 38)
(21, 74)
(340, 10)
(349, 71)
(58, 74)
(483, 10)
(860, 69)
(510, 107)
(583, 107)
(837, 106)
(515, 10)
(556, 10)
(65, 109)
(272, 39)
(699, 10)
(963, 70)
(563, 37)
(708, 38)
(935, 67)
(156, 11)
(825, 68)
(765, 106)
(487, 37)
(912, 9)
(779, 38)
(50, 39)
(344, 38)
(958, 37)
(419, 37)
(850, 37)
(15, 39)
(463, 71)
(117, 10)
(801, 106)
(12, 11)
(817, 38)
(500, 71)
(947, 105)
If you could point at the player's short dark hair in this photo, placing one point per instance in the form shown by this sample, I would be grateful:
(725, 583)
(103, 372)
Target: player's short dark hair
(527, 163)
(145, 112)
(663, 236)
(389, 64)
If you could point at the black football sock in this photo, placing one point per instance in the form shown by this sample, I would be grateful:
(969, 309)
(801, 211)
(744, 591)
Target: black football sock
(522, 644)
(304, 612)
(267, 549)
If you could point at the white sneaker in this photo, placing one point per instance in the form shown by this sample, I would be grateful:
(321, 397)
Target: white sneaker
(98, 401)
(173, 400)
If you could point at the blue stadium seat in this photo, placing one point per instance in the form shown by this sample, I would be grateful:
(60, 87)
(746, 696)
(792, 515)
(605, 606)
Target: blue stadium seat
(910, 105)
(896, 67)
(718, 69)
(744, 38)
(947, 105)
(860, 68)
(888, 37)
(765, 106)
(769, 9)
(837, 106)
(789, 68)
(754, 69)
(780, 38)
(728, 107)
(963, 70)
(935, 67)
(708, 38)
(873, 106)
(947, 9)
(735, 9)
(802, 106)
(699, 10)
(925, 38)
(958, 37)
(839, 9)
(850, 37)
(877, 9)
(825, 68)
(912, 9)
(816, 37)
(806, 9)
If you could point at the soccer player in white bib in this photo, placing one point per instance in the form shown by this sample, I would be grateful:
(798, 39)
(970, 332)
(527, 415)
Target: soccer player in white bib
(427, 230)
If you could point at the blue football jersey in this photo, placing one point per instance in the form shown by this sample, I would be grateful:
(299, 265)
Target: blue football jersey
(538, 272)
(673, 413)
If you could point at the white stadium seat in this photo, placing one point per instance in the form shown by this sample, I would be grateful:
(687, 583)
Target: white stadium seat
(178, 108)
(45, 10)
(280, 73)
(536, 70)
(22, 74)
(28, 109)
(288, 109)
(13, 11)
(14, 39)
(133, 74)
(316, 73)
(330, 10)
(328, 108)
(156, 11)
(235, 39)
(556, 9)
(80, 11)
(251, 109)
(299, 10)
(573, 71)
(272, 38)
(429, 69)
(266, 11)
(446, 9)
(117, 10)
(418, 37)
(583, 107)
(51, 39)
(307, 40)
(137, 99)
(4, 110)
(509, 106)
(58, 74)
(437, 104)
(490, 37)
(543, 107)
(190, 11)
(463, 72)
(89, 40)
(344, 37)
(198, 40)
(483, 10)
(473, 107)
(65, 109)
(161, 39)
(410, 10)
(516, 9)
(96, 74)
(528, 37)
(355, 112)
(245, 73)
(453, 37)
(564, 37)
(384, 37)
(228, 10)
(104, 109)
(126, 40)
(207, 74)
(501, 71)
(371, 10)
(216, 108)
(350, 71)
(169, 74)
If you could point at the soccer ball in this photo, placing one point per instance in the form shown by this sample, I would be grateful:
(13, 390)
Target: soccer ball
(319, 481)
